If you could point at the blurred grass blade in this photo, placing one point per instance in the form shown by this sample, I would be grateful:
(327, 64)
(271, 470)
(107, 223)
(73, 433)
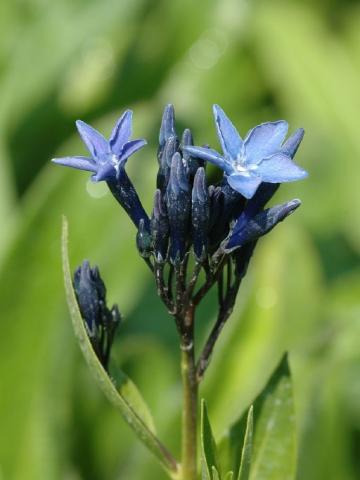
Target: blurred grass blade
(229, 476)
(209, 460)
(274, 454)
(215, 474)
(244, 470)
(127, 397)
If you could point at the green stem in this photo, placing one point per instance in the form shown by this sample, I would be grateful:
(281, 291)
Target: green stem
(189, 414)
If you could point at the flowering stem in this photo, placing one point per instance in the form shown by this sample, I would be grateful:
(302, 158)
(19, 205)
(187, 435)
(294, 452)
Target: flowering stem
(190, 390)
(224, 313)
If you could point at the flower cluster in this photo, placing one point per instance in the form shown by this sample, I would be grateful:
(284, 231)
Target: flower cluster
(100, 321)
(217, 225)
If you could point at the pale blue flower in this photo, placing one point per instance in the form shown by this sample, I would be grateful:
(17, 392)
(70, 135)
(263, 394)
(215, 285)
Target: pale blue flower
(260, 157)
(107, 156)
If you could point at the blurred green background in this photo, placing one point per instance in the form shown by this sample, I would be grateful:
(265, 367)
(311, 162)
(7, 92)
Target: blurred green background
(90, 59)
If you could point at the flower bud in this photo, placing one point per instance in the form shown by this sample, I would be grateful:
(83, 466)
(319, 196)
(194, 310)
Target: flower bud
(233, 201)
(170, 148)
(160, 228)
(178, 201)
(218, 227)
(259, 225)
(167, 128)
(192, 163)
(99, 321)
(242, 258)
(200, 215)
(90, 292)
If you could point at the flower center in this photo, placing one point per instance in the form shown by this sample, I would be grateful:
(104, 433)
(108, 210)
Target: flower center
(115, 162)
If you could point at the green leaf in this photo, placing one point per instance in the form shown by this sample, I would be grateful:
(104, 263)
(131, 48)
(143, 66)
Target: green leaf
(130, 392)
(215, 473)
(124, 396)
(275, 451)
(245, 464)
(209, 460)
(229, 476)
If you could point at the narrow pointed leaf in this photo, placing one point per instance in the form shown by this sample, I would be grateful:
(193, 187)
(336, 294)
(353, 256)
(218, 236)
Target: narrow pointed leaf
(215, 474)
(229, 476)
(275, 451)
(244, 470)
(124, 396)
(209, 458)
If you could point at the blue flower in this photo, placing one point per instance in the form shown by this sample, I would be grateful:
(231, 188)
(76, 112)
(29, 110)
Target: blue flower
(107, 156)
(261, 157)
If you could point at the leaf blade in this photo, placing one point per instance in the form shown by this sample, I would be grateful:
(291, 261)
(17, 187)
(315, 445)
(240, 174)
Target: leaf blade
(246, 453)
(141, 428)
(209, 459)
(274, 454)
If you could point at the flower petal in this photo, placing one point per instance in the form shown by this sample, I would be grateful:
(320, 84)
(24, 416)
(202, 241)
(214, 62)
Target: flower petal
(229, 137)
(106, 171)
(292, 143)
(208, 154)
(264, 140)
(121, 132)
(131, 147)
(280, 168)
(81, 163)
(94, 141)
(244, 184)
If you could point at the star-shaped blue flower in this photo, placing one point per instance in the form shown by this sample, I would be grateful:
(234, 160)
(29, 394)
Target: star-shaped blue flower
(107, 156)
(261, 157)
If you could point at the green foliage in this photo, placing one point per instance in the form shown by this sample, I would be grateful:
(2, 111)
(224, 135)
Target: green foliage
(123, 394)
(246, 452)
(209, 460)
(268, 453)
(260, 61)
(275, 452)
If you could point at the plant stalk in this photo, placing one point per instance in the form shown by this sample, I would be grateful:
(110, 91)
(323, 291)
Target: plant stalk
(190, 393)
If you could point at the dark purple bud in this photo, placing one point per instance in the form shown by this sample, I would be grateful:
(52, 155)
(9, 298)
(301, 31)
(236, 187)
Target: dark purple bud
(259, 225)
(242, 258)
(263, 194)
(167, 128)
(90, 292)
(200, 215)
(125, 193)
(171, 147)
(100, 322)
(160, 228)
(292, 144)
(178, 202)
(143, 240)
(218, 226)
(233, 201)
(192, 163)
(257, 203)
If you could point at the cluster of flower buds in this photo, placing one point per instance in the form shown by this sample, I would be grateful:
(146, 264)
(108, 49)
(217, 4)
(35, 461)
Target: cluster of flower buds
(100, 321)
(194, 226)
